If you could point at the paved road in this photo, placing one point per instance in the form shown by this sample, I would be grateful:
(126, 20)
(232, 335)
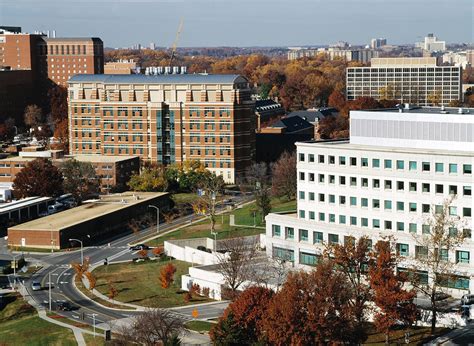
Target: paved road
(57, 267)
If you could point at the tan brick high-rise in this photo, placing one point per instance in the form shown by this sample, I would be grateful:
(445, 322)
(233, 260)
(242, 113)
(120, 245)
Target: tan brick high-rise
(165, 118)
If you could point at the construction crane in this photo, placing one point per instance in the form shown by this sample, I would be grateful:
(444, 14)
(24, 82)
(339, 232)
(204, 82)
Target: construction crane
(175, 43)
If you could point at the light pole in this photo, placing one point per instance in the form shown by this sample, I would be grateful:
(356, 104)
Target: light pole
(82, 248)
(157, 217)
(14, 269)
(49, 289)
(93, 322)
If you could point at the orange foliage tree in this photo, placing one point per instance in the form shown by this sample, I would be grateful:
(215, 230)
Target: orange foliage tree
(92, 280)
(167, 275)
(112, 291)
(394, 303)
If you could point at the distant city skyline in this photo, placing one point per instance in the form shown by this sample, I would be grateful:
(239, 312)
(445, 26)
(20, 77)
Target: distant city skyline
(244, 23)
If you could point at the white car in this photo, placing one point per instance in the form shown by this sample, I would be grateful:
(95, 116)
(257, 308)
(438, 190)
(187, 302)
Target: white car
(36, 286)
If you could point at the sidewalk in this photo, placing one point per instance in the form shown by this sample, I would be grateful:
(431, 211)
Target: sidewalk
(444, 339)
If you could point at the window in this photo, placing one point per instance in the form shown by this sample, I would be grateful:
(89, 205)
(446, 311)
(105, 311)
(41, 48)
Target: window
(353, 221)
(425, 208)
(317, 237)
(333, 238)
(376, 203)
(453, 190)
(353, 161)
(276, 230)
(467, 169)
(284, 254)
(364, 202)
(353, 181)
(400, 226)
(332, 199)
(321, 197)
(421, 251)
(462, 256)
(364, 162)
(365, 182)
(332, 179)
(412, 187)
(438, 209)
(311, 176)
(353, 201)
(301, 175)
(466, 212)
(425, 187)
(289, 233)
(412, 207)
(301, 157)
(342, 200)
(311, 215)
(400, 206)
(321, 158)
(321, 178)
(453, 231)
(425, 229)
(376, 223)
(364, 222)
(301, 194)
(302, 214)
(332, 160)
(311, 157)
(412, 165)
(376, 183)
(453, 168)
(439, 167)
(425, 167)
(439, 188)
(308, 259)
(403, 249)
(311, 196)
(467, 233)
(387, 204)
(303, 235)
(388, 164)
(388, 225)
(342, 160)
(467, 190)
(388, 184)
(342, 219)
(400, 185)
(332, 218)
(375, 163)
(322, 217)
(400, 164)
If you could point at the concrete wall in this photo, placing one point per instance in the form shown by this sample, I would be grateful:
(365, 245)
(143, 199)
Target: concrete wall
(186, 250)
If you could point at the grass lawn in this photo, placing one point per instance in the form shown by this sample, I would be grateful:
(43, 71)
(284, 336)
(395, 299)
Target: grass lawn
(97, 341)
(418, 336)
(139, 283)
(20, 325)
(184, 198)
(199, 326)
(243, 216)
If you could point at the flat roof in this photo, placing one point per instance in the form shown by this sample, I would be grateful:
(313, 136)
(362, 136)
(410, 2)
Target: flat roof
(345, 144)
(196, 78)
(87, 211)
(99, 158)
(421, 110)
(25, 202)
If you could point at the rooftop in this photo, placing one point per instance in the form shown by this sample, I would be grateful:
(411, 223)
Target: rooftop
(292, 124)
(10, 206)
(312, 115)
(107, 204)
(71, 39)
(425, 110)
(100, 158)
(196, 78)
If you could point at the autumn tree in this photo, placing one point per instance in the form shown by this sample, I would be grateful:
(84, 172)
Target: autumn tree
(311, 308)
(245, 316)
(112, 290)
(158, 251)
(7, 129)
(80, 179)
(186, 176)
(33, 116)
(394, 303)
(257, 178)
(234, 261)
(167, 275)
(57, 96)
(284, 176)
(151, 178)
(91, 279)
(352, 259)
(337, 100)
(38, 178)
(61, 133)
(443, 232)
(143, 253)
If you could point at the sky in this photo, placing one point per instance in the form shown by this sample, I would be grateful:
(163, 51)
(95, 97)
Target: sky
(244, 23)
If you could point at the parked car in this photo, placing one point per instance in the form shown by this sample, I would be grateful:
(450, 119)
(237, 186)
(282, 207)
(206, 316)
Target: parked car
(441, 296)
(36, 286)
(139, 247)
(55, 208)
(65, 306)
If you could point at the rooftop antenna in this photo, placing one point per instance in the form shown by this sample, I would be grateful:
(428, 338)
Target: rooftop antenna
(175, 43)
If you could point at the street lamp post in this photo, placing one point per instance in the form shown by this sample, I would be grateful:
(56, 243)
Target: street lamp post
(93, 322)
(82, 253)
(14, 269)
(157, 217)
(49, 290)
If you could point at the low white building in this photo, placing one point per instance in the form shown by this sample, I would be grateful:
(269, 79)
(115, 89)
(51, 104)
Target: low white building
(396, 166)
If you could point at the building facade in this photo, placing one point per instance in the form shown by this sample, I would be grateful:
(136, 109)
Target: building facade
(361, 55)
(386, 181)
(165, 119)
(409, 80)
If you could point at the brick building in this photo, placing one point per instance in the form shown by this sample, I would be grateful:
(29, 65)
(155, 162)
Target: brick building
(165, 118)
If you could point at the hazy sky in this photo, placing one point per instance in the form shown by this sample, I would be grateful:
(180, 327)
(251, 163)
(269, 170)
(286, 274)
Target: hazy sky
(245, 22)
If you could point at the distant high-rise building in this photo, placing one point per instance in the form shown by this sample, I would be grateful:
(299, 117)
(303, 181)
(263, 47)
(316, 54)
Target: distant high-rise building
(152, 46)
(361, 55)
(408, 80)
(431, 44)
(376, 43)
(165, 119)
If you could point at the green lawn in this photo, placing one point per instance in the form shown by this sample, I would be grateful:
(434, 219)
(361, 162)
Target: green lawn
(243, 216)
(184, 198)
(20, 325)
(139, 283)
(199, 326)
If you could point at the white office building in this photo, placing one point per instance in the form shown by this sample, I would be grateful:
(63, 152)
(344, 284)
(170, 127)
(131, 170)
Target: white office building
(432, 44)
(397, 165)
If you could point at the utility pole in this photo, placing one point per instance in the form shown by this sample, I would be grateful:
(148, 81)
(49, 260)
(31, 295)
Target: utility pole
(49, 279)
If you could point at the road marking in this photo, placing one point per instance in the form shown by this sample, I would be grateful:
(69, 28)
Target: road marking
(76, 317)
(63, 282)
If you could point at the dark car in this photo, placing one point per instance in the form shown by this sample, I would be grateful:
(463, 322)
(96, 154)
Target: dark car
(65, 306)
(139, 247)
(441, 296)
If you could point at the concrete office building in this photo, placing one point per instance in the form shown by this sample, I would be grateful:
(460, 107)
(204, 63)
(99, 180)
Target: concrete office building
(377, 43)
(383, 182)
(410, 80)
(432, 44)
(165, 119)
(361, 55)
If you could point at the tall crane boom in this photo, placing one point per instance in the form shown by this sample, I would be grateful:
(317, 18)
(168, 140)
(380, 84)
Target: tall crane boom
(175, 43)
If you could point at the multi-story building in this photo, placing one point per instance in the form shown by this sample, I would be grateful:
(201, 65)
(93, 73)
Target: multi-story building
(409, 80)
(376, 43)
(120, 67)
(361, 55)
(397, 166)
(431, 44)
(165, 119)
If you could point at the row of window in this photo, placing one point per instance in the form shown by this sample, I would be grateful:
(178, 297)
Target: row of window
(425, 166)
(387, 184)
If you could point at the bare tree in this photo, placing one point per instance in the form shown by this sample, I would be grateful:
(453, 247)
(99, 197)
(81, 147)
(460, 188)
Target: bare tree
(235, 261)
(284, 176)
(33, 116)
(152, 327)
(211, 188)
(442, 234)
